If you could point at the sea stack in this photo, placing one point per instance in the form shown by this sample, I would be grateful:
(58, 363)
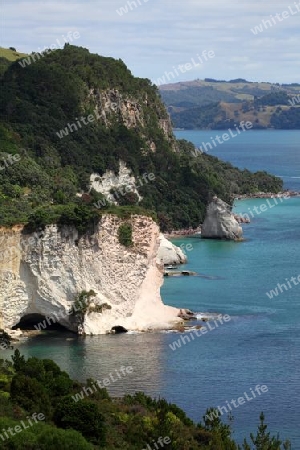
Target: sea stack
(220, 223)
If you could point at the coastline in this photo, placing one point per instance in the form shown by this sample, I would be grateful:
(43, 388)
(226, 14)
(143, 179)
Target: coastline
(196, 232)
(187, 232)
(286, 193)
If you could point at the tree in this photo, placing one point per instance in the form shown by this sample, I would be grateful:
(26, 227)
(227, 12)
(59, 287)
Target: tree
(30, 394)
(18, 361)
(263, 441)
(84, 416)
(4, 340)
(81, 305)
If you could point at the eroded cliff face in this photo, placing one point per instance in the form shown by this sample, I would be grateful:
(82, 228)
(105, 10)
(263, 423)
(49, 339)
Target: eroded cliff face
(109, 180)
(111, 103)
(42, 273)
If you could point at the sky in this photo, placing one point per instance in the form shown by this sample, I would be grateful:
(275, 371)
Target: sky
(157, 36)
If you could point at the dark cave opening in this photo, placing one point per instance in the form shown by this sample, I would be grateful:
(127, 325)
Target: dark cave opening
(39, 322)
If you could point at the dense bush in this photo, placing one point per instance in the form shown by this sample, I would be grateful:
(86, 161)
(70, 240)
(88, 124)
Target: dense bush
(125, 234)
(93, 420)
(83, 416)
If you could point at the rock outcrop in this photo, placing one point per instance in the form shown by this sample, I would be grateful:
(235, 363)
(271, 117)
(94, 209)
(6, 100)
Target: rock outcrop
(109, 180)
(168, 253)
(220, 223)
(111, 103)
(42, 273)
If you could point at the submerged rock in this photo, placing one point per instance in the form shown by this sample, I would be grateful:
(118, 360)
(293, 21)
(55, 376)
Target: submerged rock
(187, 314)
(168, 253)
(220, 223)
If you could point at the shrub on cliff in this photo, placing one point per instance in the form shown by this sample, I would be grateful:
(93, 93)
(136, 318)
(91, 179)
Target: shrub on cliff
(125, 234)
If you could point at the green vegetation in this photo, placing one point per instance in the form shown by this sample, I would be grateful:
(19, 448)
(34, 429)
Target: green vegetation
(273, 99)
(263, 440)
(287, 120)
(41, 186)
(99, 308)
(93, 420)
(5, 341)
(81, 305)
(11, 54)
(125, 234)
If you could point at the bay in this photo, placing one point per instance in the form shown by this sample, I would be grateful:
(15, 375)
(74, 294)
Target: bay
(260, 345)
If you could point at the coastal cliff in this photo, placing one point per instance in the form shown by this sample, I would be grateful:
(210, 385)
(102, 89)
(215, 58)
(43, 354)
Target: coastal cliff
(42, 273)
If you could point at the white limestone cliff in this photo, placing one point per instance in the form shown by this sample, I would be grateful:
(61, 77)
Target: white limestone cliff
(220, 223)
(42, 273)
(109, 180)
(169, 253)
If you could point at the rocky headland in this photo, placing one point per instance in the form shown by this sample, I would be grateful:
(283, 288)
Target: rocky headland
(42, 274)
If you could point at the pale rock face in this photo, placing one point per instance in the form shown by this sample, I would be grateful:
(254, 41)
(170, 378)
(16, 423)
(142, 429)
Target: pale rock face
(110, 180)
(44, 273)
(220, 223)
(111, 103)
(169, 253)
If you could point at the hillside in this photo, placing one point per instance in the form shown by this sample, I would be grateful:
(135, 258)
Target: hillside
(7, 55)
(212, 104)
(71, 114)
(11, 54)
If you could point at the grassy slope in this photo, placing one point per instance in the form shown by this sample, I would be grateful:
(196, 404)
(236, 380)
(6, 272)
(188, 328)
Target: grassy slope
(10, 54)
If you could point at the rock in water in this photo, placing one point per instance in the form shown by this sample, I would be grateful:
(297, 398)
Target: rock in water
(220, 223)
(168, 253)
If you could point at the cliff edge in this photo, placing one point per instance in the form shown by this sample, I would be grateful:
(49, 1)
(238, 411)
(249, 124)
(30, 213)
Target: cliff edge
(42, 273)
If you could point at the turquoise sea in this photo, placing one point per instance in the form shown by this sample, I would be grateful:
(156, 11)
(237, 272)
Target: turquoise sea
(261, 343)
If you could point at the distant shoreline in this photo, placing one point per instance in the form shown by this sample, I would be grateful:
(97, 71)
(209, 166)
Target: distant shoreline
(196, 232)
(287, 193)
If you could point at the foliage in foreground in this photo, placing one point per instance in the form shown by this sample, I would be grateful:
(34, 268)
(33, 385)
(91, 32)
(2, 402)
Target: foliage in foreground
(99, 422)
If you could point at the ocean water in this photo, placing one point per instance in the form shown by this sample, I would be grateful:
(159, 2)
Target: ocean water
(260, 345)
(276, 151)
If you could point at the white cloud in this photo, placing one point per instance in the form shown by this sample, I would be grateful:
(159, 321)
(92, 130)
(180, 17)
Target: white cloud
(160, 34)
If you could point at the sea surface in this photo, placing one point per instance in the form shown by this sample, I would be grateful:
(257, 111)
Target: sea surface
(276, 151)
(260, 345)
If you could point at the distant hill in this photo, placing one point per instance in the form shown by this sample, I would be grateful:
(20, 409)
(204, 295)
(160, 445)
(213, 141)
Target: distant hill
(7, 56)
(11, 54)
(219, 104)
